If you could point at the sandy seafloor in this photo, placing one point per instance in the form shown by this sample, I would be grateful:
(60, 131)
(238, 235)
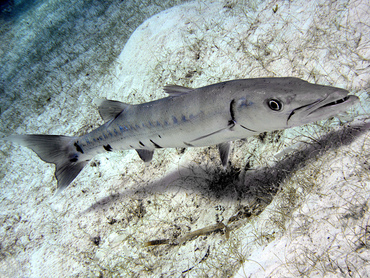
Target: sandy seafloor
(294, 203)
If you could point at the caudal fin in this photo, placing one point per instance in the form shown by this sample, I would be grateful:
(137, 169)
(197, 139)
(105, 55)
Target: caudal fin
(54, 149)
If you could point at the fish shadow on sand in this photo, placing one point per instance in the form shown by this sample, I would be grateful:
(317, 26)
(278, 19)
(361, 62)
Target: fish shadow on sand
(235, 184)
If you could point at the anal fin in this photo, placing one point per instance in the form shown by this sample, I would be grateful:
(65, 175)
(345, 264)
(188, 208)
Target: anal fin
(145, 155)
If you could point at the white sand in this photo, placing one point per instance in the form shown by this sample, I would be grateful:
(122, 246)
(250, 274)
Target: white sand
(316, 225)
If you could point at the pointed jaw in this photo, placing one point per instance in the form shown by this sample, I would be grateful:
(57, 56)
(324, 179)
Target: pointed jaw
(322, 108)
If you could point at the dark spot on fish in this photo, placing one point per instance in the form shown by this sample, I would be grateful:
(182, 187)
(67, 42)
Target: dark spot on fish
(78, 148)
(188, 144)
(131, 147)
(242, 102)
(165, 123)
(158, 123)
(73, 158)
(174, 119)
(159, 136)
(108, 148)
(141, 143)
(121, 128)
(183, 118)
(156, 145)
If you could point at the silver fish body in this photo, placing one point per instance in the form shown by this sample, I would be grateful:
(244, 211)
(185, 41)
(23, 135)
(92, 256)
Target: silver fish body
(211, 115)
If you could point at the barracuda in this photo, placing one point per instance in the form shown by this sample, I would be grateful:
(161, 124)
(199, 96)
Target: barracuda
(210, 115)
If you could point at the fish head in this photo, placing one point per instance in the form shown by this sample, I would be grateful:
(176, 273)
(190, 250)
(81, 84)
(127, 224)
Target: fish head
(280, 103)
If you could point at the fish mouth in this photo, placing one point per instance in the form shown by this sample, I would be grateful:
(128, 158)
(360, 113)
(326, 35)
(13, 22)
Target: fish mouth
(323, 108)
(324, 104)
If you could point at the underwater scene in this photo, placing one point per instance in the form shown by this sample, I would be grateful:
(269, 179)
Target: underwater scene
(288, 197)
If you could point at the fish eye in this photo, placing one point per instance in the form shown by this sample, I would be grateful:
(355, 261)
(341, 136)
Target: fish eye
(275, 104)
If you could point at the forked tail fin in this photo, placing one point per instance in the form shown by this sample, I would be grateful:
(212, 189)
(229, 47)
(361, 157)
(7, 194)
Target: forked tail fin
(55, 149)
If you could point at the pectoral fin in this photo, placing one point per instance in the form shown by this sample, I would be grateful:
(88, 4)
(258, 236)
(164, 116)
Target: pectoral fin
(224, 149)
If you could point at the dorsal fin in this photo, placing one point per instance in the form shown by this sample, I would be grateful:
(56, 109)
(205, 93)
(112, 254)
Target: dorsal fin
(109, 109)
(176, 90)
